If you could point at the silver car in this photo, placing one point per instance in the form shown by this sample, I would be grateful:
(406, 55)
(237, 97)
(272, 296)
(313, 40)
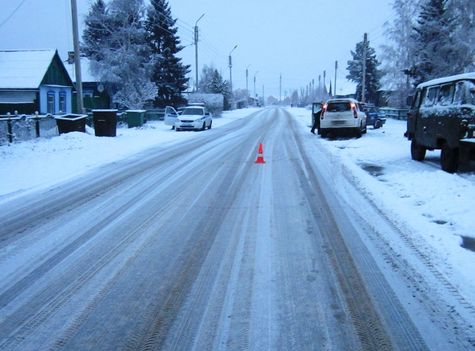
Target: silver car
(194, 118)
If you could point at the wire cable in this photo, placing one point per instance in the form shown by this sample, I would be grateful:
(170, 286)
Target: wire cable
(12, 14)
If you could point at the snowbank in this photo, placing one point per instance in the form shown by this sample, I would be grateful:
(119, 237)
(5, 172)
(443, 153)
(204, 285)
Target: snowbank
(43, 162)
(436, 206)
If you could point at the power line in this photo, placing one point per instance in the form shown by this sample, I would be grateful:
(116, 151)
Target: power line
(13, 13)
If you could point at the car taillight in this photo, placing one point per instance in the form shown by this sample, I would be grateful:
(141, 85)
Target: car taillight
(353, 107)
(324, 109)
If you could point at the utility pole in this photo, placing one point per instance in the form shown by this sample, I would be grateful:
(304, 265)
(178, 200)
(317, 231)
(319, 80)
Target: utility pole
(334, 86)
(324, 79)
(231, 69)
(77, 58)
(196, 51)
(280, 88)
(263, 96)
(363, 83)
(247, 78)
(319, 87)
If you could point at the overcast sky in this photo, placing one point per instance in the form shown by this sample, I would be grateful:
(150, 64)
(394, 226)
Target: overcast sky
(298, 39)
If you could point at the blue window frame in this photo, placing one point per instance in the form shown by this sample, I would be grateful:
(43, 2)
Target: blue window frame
(62, 102)
(51, 102)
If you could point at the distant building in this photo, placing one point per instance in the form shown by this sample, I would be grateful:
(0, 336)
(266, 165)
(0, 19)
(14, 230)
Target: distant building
(34, 80)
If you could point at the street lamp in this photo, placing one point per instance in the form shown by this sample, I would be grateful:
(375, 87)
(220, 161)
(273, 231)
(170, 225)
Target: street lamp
(196, 50)
(230, 69)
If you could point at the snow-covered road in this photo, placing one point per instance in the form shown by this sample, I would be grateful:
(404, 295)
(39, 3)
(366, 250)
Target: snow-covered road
(191, 245)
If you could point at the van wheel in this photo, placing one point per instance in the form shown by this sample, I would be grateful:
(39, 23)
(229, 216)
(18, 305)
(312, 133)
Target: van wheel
(449, 158)
(418, 152)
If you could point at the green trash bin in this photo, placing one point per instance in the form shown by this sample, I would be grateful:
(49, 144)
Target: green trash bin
(105, 122)
(135, 118)
(71, 123)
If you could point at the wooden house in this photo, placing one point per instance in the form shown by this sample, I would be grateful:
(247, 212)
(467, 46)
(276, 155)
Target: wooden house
(34, 80)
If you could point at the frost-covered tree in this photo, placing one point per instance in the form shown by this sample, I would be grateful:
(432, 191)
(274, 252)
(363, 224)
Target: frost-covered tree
(123, 60)
(398, 54)
(169, 73)
(438, 52)
(372, 76)
(211, 81)
(464, 32)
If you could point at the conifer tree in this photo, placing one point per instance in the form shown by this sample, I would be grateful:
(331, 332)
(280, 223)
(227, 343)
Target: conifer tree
(211, 81)
(169, 73)
(95, 31)
(373, 74)
(437, 52)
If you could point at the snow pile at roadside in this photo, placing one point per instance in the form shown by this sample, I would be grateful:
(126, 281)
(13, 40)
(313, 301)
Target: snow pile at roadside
(436, 205)
(43, 162)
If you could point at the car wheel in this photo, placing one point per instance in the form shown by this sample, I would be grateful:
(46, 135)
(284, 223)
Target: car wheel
(449, 158)
(203, 127)
(418, 152)
(358, 132)
(323, 133)
(177, 129)
(377, 124)
(210, 124)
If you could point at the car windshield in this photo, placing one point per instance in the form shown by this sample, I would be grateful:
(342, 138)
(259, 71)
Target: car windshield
(193, 111)
(340, 106)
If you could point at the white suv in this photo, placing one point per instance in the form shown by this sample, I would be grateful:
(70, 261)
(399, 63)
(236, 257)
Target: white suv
(194, 118)
(342, 115)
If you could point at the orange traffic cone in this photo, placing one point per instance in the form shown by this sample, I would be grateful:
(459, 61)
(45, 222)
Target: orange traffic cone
(260, 157)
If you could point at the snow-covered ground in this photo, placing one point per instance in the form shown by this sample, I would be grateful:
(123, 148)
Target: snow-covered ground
(437, 206)
(44, 162)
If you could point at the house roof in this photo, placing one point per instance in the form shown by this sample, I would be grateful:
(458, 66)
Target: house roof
(86, 74)
(24, 69)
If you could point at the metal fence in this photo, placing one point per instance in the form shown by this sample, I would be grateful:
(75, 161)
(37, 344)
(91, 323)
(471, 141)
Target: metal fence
(394, 113)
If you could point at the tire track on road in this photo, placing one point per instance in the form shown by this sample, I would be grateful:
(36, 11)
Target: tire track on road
(366, 319)
(46, 305)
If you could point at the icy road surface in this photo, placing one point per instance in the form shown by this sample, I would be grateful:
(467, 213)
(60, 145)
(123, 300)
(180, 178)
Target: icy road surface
(193, 246)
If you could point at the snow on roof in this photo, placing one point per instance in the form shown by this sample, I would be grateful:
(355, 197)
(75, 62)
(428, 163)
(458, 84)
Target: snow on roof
(86, 75)
(24, 69)
(443, 80)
